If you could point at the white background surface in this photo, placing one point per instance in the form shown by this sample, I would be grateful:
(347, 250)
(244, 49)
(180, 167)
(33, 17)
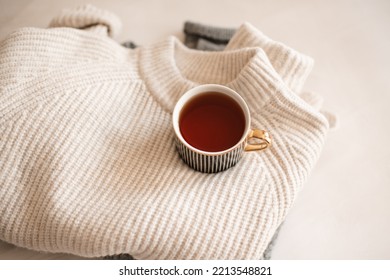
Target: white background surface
(344, 210)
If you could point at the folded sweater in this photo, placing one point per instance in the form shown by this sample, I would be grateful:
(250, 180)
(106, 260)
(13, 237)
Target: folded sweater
(87, 159)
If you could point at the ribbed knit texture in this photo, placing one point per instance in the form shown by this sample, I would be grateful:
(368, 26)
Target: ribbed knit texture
(87, 159)
(293, 67)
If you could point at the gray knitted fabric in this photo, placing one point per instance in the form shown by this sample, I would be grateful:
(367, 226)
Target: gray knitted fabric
(206, 37)
(119, 257)
(129, 44)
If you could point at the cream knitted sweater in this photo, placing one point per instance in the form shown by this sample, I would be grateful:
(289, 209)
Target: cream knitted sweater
(87, 159)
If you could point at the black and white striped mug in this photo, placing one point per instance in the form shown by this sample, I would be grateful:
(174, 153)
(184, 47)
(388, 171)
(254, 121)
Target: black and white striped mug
(207, 158)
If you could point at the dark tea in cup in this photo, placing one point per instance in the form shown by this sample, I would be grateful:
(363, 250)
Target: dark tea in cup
(212, 122)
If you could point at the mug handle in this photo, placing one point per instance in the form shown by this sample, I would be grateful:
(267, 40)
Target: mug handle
(258, 134)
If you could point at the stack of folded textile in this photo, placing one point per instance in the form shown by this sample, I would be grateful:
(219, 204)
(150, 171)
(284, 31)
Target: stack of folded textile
(87, 159)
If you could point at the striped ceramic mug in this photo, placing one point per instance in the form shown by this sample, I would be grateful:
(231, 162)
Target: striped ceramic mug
(216, 161)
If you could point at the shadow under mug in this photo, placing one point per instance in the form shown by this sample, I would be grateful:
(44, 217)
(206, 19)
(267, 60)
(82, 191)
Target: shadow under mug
(213, 162)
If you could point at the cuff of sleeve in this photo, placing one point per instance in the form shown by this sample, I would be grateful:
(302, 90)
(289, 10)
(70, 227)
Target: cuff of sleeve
(88, 16)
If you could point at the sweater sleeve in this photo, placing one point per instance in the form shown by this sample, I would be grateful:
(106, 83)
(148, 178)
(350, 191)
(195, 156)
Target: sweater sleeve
(89, 18)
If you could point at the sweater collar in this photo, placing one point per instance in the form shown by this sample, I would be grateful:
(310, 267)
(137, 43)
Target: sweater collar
(169, 69)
